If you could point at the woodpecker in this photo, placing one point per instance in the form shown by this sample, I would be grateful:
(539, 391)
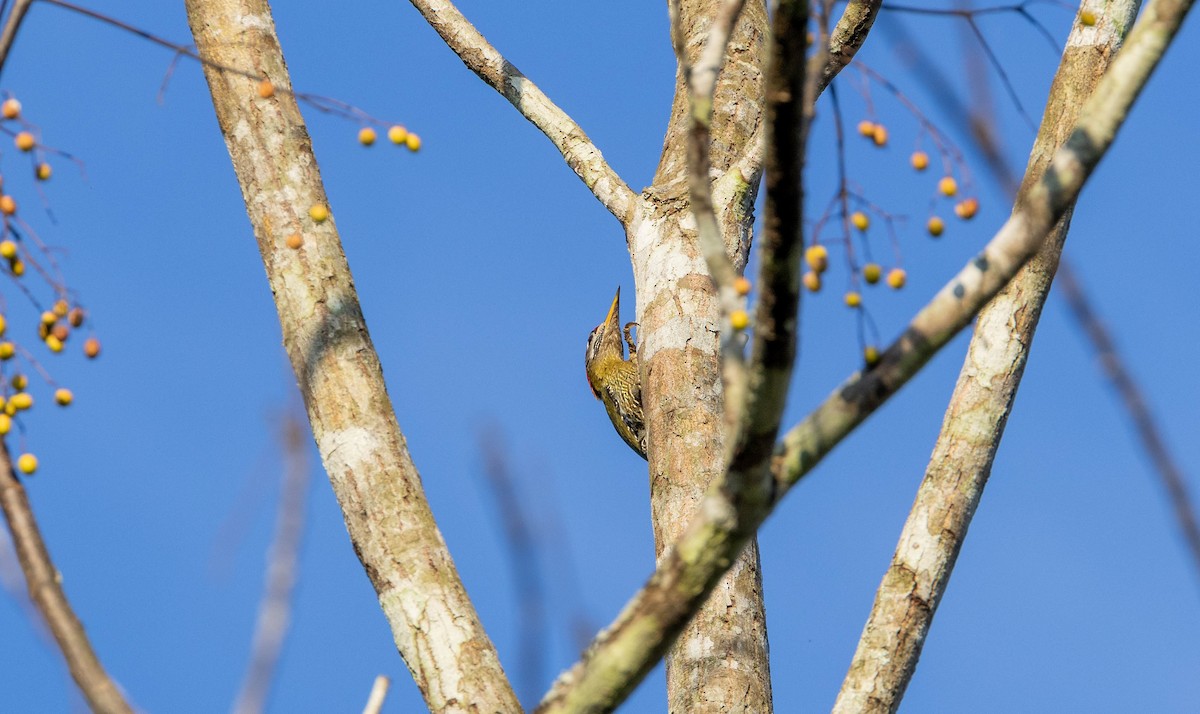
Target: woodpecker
(615, 380)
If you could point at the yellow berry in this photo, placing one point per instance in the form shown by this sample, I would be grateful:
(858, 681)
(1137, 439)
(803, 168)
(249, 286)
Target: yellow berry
(42, 172)
(860, 220)
(5, 424)
(412, 141)
(24, 141)
(8, 249)
(54, 343)
(11, 108)
(61, 308)
(867, 128)
(318, 213)
(935, 226)
(739, 320)
(18, 268)
(872, 272)
(8, 205)
(948, 186)
(9, 409)
(896, 278)
(397, 134)
(49, 318)
(7, 350)
(63, 396)
(266, 90)
(91, 348)
(812, 281)
(3, 324)
(871, 356)
(1087, 18)
(21, 401)
(817, 257)
(742, 285)
(19, 382)
(367, 136)
(880, 136)
(920, 160)
(853, 299)
(27, 464)
(967, 208)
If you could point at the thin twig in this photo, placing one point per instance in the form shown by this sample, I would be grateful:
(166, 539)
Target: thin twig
(484, 60)
(46, 592)
(275, 609)
(11, 26)
(379, 690)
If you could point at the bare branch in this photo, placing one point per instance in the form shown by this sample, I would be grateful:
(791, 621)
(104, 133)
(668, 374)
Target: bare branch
(484, 60)
(45, 590)
(848, 37)
(378, 694)
(434, 625)
(275, 610)
(912, 588)
(11, 26)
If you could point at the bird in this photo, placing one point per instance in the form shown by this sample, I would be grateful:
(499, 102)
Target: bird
(614, 379)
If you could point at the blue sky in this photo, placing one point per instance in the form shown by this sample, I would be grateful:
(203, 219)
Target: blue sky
(482, 264)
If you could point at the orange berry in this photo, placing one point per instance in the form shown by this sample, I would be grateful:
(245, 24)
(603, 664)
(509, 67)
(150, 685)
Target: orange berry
(948, 186)
(967, 208)
(367, 136)
(817, 257)
(739, 320)
(812, 281)
(91, 348)
(27, 464)
(853, 299)
(860, 220)
(43, 172)
(920, 160)
(397, 134)
(872, 272)
(61, 331)
(294, 241)
(318, 213)
(935, 226)
(75, 317)
(742, 285)
(866, 127)
(266, 90)
(10, 109)
(1087, 18)
(8, 205)
(24, 141)
(880, 136)
(63, 396)
(896, 278)
(412, 141)
(61, 308)
(871, 356)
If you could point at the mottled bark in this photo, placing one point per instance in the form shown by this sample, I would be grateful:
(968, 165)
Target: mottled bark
(719, 663)
(364, 453)
(958, 470)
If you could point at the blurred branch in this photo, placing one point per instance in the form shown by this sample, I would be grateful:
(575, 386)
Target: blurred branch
(1148, 432)
(275, 609)
(11, 25)
(45, 590)
(379, 690)
(524, 564)
(484, 60)
(913, 586)
(434, 625)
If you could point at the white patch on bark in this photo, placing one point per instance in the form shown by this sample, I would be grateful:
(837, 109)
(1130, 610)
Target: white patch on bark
(353, 447)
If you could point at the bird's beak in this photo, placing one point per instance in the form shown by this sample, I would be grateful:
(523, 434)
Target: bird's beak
(614, 312)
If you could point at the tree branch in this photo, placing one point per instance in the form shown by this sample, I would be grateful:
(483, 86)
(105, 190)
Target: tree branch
(434, 625)
(912, 588)
(484, 60)
(11, 26)
(46, 592)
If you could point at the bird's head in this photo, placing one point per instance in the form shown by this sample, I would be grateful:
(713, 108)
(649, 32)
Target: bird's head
(605, 341)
